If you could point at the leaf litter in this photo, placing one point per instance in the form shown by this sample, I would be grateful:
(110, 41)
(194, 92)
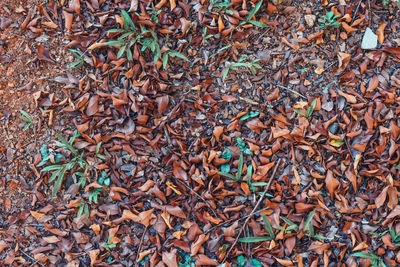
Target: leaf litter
(183, 110)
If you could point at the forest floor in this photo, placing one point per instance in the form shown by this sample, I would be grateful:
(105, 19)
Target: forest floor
(199, 133)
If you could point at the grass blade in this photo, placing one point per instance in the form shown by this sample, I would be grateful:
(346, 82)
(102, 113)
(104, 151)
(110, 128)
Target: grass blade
(240, 168)
(268, 225)
(254, 239)
(308, 221)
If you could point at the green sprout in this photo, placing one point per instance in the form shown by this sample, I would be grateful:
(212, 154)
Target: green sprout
(329, 20)
(26, 117)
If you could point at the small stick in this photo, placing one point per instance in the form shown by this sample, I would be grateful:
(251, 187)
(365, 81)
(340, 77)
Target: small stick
(293, 91)
(140, 246)
(198, 195)
(233, 220)
(253, 211)
(34, 261)
(355, 14)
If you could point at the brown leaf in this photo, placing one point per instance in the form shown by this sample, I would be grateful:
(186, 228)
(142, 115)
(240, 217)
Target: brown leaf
(3, 245)
(169, 258)
(198, 244)
(380, 32)
(393, 199)
(331, 183)
(349, 98)
(93, 105)
(380, 200)
(37, 215)
(373, 83)
(203, 260)
(51, 239)
(290, 243)
(44, 54)
(344, 60)
(162, 103)
(218, 130)
(93, 256)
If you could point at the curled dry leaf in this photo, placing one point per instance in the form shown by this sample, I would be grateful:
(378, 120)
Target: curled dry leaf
(331, 183)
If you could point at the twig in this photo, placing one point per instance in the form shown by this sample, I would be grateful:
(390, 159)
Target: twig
(355, 14)
(140, 246)
(293, 91)
(34, 261)
(253, 211)
(234, 220)
(197, 194)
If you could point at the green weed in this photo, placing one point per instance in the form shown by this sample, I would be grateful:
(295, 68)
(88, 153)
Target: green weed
(308, 227)
(109, 244)
(252, 66)
(329, 20)
(376, 261)
(79, 56)
(26, 117)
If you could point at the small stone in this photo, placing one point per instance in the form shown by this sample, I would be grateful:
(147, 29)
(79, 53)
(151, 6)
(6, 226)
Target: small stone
(310, 19)
(370, 39)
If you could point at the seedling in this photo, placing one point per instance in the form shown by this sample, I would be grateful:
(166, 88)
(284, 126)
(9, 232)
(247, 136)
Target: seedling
(308, 227)
(376, 261)
(268, 227)
(154, 13)
(249, 115)
(205, 37)
(242, 262)
(109, 244)
(77, 165)
(249, 17)
(309, 110)
(394, 236)
(221, 7)
(252, 66)
(225, 168)
(292, 227)
(79, 56)
(186, 260)
(83, 209)
(147, 38)
(26, 117)
(329, 20)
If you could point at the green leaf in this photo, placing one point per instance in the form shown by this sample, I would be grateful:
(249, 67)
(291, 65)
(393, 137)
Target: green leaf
(365, 255)
(249, 173)
(52, 168)
(259, 184)
(114, 43)
(128, 23)
(121, 51)
(227, 175)
(241, 260)
(311, 107)
(114, 30)
(308, 221)
(226, 70)
(226, 154)
(107, 181)
(255, 239)
(240, 167)
(165, 60)
(336, 143)
(173, 53)
(87, 211)
(25, 116)
(289, 222)
(255, 263)
(58, 183)
(258, 24)
(80, 211)
(268, 225)
(220, 50)
(254, 11)
(397, 167)
(54, 175)
(225, 168)
(250, 114)
(68, 145)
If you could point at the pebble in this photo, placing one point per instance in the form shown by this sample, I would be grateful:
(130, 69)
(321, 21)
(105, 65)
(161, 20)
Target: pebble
(310, 20)
(370, 40)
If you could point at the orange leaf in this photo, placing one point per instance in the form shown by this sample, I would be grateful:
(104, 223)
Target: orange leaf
(373, 83)
(331, 183)
(221, 25)
(194, 249)
(284, 262)
(95, 228)
(37, 215)
(93, 256)
(51, 239)
(380, 32)
(392, 196)
(218, 130)
(380, 200)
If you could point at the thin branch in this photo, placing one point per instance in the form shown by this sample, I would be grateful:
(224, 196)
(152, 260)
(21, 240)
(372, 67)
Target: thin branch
(292, 91)
(140, 246)
(253, 211)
